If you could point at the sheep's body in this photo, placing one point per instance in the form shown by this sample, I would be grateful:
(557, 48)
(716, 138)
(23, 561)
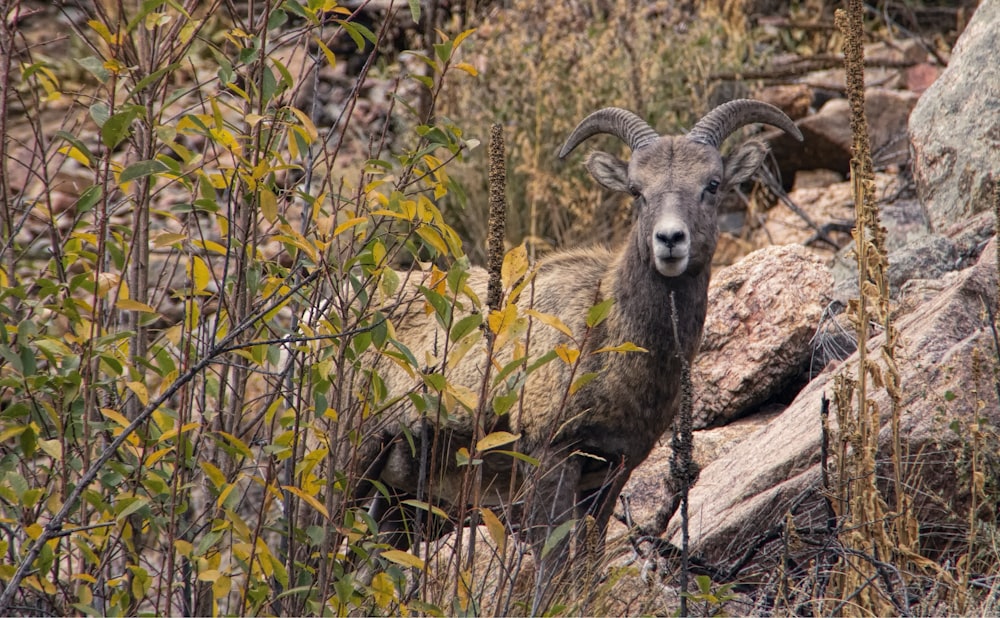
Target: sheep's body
(590, 442)
(619, 425)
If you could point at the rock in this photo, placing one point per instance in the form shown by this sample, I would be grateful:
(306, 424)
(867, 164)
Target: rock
(776, 471)
(831, 207)
(816, 179)
(919, 77)
(647, 491)
(955, 127)
(762, 313)
(927, 256)
(827, 134)
(793, 99)
(971, 236)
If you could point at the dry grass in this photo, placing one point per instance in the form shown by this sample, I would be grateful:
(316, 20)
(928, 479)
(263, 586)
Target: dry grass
(545, 66)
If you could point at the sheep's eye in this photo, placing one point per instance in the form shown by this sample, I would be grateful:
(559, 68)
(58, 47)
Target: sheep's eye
(712, 187)
(634, 191)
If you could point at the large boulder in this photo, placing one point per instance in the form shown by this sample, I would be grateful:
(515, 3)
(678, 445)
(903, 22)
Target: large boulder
(955, 126)
(763, 312)
(828, 139)
(947, 363)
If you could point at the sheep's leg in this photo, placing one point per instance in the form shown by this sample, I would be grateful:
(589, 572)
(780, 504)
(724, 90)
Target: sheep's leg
(599, 504)
(552, 503)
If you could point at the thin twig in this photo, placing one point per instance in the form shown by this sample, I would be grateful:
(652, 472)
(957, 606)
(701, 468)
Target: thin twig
(54, 527)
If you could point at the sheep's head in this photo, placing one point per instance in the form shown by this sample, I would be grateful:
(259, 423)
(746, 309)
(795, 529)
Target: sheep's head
(677, 180)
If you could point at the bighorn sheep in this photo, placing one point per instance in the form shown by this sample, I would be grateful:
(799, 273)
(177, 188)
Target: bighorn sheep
(589, 443)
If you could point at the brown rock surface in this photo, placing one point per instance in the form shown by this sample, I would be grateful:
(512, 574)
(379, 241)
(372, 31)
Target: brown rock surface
(762, 313)
(749, 489)
(828, 138)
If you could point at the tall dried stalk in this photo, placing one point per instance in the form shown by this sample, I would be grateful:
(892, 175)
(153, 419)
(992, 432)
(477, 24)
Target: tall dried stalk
(869, 532)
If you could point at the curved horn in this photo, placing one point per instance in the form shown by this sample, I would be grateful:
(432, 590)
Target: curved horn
(621, 123)
(719, 123)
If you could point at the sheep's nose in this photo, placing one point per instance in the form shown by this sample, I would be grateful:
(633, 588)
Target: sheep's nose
(670, 238)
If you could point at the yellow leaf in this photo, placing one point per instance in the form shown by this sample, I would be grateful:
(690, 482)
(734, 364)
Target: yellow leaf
(462, 36)
(34, 531)
(173, 433)
(463, 395)
(106, 282)
(551, 320)
(306, 122)
(140, 391)
(503, 319)
(621, 348)
(224, 495)
(468, 68)
(268, 205)
(495, 439)
(346, 225)
(11, 432)
(433, 238)
(199, 273)
(117, 417)
(156, 456)
(168, 238)
(52, 448)
(403, 558)
(515, 264)
(103, 31)
(383, 589)
(183, 548)
(495, 527)
(331, 59)
(568, 354)
(127, 304)
(420, 504)
(209, 575)
(76, 154)
(209, 245)
(213, 473)
(311, 500)
(238, 444)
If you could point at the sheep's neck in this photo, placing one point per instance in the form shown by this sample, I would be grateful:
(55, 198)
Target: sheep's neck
(643, 314)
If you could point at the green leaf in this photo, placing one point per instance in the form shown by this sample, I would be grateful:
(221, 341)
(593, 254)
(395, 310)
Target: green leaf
(355, 33)
(443, 50)
(133, 505)
(516, 455)
(557, 536)
(503, 403)
(415, 10)
(141, 170)
(435, 381)
(152, 77)
(95, 66)
(599, 312)
(441, 305)
(88, 199)
(116, 128)
(425, 506)
(582, 381)
(466, 325)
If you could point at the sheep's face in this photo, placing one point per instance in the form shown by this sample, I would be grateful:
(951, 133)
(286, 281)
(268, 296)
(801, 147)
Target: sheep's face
(676, 184)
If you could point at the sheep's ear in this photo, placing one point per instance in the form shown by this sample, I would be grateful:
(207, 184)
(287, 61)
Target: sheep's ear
(741, 165)
(610, 171)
